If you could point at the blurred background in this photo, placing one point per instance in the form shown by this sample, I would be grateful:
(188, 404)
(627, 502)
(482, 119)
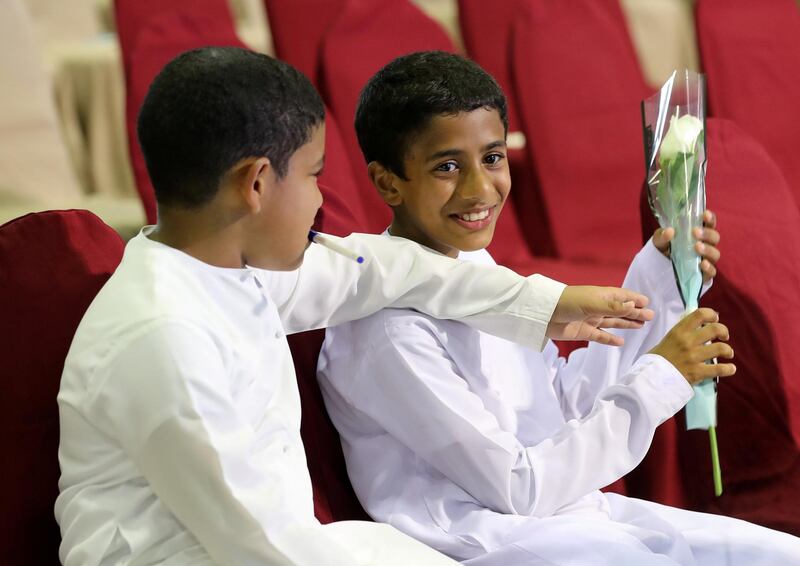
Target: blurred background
(63, 141)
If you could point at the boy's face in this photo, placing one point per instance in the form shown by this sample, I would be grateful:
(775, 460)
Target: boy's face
(458, 181)
(279, 236)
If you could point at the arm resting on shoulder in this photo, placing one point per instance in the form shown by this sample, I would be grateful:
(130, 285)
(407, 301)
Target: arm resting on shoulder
(330, 289)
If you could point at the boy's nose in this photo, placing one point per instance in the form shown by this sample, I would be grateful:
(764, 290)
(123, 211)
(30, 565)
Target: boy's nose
(477, 186)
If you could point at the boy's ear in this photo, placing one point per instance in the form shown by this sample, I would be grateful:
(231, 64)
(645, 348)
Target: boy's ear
(384, 181)
(256, 182)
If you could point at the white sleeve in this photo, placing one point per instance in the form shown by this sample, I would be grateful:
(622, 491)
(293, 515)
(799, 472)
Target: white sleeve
(330, 289)
(168, 402)
(406, 382)
(590, 370)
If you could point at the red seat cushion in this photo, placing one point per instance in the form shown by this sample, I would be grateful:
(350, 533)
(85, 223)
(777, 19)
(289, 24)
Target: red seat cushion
(751, 56)
(755, 294)
(53, 265)
(579, 87)
(297, 37)
(196, 23)
(334, 498)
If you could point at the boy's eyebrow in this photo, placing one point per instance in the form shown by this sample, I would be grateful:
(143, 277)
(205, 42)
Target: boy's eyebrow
(444, 153)
(456, 152)
(321, 163)
(495, 144)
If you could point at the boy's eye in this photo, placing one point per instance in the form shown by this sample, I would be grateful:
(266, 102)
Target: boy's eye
(447, 167)
(493, 158)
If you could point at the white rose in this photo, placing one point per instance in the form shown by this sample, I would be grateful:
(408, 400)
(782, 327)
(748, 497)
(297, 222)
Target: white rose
(681, 137)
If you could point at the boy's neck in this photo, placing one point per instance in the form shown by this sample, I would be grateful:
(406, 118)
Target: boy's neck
(200, 235)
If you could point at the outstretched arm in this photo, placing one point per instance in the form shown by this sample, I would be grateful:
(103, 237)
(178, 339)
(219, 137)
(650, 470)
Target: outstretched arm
(330, 289)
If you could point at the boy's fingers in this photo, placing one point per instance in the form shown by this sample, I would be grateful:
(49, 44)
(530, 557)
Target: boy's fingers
(713, 331)
(584, 302)
(621, 309)
(715, 350)
(626, 296)
(702, 316)
(642, 315)
(616, 322)
(707, 251)
(709, 219)
(602, 337)
(662, 237)
(710, 371)
(709, 271)
(710, 236)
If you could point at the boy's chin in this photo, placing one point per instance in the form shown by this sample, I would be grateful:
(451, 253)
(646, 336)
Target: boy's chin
(475, 242)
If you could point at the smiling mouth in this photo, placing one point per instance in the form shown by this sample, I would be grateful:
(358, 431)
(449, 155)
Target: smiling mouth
(474, 219)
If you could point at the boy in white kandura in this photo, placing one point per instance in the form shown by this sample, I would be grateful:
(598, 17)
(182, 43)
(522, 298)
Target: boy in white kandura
(491, 452)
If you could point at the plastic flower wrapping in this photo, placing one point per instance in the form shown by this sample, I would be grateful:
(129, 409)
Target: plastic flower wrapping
(675, 152)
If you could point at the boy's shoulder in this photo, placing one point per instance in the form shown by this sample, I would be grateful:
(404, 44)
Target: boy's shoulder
(151, 288)
(389, 321)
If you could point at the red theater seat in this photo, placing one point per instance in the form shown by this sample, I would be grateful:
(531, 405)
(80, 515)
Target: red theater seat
(756, 295)
(579, 86)
(751, 55)
(53, 265)
(185, 24)
(342, 210)
(487, 39)
(298, 27)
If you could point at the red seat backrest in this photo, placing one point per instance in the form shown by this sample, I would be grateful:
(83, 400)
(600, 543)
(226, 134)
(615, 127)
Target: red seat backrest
(487, 39)
(755, 293)
(342, 210)
(53, 265)
(366, 36)
(298, 27)
(197, 23)
(751, 55)
(579, 87)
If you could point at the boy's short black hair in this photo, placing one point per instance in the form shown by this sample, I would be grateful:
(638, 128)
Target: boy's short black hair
(400, 100)
(211, 107)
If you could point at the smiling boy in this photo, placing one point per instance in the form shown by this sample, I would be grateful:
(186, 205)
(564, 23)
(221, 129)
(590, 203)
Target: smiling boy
(488, 451)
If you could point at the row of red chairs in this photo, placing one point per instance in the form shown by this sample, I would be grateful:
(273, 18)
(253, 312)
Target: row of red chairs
(61, 259)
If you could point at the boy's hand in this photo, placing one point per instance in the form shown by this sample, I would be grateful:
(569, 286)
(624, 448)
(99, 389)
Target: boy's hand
(707, 237)
(582, 312)
(686, 347)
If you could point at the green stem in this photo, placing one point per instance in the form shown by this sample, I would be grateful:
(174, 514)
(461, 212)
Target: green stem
(715, 469)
